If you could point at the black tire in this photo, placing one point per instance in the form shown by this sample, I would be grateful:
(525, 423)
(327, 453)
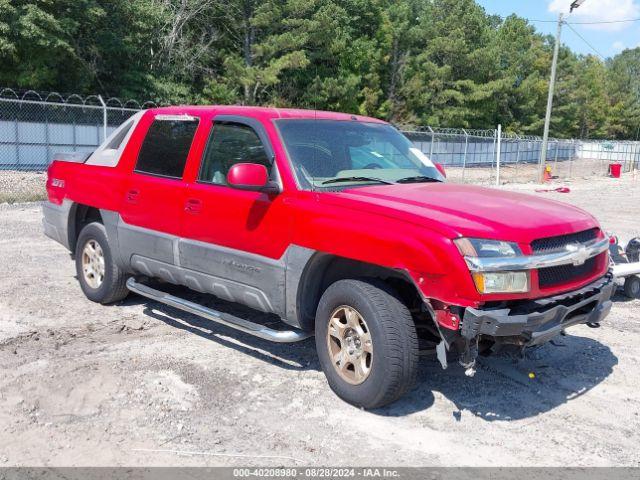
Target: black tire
(394, 360)
(632, 287)
(113, 286)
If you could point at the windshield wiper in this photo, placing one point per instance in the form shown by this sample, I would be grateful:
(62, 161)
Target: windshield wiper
(418, 179)
(357, 179)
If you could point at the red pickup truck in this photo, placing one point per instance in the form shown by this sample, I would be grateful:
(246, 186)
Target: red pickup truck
(337, 224)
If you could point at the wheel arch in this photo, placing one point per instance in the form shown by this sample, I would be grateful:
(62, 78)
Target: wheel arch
(322, 270)
(79, 216)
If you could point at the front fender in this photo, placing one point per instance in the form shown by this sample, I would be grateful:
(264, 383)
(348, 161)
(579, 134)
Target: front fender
(394, 244)
(428, 256)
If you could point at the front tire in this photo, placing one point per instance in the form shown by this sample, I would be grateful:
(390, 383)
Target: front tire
(101, 280)
(367, 342)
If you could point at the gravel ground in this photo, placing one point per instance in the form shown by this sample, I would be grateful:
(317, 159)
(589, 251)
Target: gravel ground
(22, 186)
(18, 186)
(576, 170)
(141, 384)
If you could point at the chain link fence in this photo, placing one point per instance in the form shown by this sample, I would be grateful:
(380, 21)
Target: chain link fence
(471, 156)
(33, 128)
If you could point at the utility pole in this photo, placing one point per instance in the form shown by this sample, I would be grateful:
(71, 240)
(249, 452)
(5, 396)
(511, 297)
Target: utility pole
(554, 66)
(552, 84)
(498, 152)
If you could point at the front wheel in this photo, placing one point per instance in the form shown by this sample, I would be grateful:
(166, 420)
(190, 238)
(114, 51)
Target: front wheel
(100, 278)
(366, 342)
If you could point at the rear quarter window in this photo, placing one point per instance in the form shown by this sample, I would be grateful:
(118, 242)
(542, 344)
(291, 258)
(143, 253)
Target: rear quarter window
(165, 149)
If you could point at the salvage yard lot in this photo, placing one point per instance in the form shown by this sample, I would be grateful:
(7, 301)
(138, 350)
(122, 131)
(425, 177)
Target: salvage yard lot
(142, 384)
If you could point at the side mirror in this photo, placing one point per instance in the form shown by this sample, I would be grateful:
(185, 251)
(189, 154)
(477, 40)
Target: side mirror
(441, 169)
(250, 176)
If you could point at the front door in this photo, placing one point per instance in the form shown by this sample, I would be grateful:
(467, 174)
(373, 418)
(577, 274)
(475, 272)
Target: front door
(233, 241)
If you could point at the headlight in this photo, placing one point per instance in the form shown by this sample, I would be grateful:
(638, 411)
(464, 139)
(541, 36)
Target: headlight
(478, 247)
(494, 282)
(501, 282)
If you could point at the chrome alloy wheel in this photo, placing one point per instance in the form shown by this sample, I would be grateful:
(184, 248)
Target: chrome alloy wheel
(93, 264)
(350, 345)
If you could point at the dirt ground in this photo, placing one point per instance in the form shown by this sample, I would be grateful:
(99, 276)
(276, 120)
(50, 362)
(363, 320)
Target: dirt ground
(142, 384)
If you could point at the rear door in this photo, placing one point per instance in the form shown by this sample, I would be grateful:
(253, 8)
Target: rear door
(154, 197)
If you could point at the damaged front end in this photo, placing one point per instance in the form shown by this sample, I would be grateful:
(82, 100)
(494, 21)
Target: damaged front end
(524, 323)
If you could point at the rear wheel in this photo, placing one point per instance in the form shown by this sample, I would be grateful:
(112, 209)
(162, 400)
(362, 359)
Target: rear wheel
(100, 278)
(632, 287)
(366, 342)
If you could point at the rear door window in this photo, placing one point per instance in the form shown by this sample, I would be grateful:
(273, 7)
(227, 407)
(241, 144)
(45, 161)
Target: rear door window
(165, 149)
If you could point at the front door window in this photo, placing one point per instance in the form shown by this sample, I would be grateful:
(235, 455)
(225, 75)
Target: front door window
(230, 143)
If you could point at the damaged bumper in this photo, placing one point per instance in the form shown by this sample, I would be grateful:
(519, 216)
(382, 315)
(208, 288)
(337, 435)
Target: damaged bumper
(537, 321)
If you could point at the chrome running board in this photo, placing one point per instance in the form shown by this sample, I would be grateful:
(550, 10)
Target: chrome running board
(255, 329)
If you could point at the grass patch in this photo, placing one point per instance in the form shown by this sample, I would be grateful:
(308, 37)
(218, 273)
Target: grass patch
(22, 197)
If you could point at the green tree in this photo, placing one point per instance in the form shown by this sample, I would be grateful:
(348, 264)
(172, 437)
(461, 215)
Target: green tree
(592, 99)
(258, 51)
(444, 63)
(623, 83)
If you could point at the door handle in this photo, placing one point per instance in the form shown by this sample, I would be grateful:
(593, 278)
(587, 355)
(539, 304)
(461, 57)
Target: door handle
(193, 205)
(132, 196)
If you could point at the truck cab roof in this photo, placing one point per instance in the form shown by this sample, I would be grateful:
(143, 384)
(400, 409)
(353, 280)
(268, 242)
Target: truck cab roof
(262, 112)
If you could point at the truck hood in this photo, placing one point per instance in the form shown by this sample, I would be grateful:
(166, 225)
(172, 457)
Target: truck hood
(470, 211)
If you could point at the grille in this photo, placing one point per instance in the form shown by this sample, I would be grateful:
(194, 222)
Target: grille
(551, 276)
(546, 245)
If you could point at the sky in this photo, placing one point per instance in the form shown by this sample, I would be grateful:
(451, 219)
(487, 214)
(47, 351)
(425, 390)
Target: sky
(607, 39)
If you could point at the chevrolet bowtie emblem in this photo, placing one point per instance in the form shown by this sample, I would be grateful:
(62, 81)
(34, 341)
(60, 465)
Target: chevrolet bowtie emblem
(579, 253)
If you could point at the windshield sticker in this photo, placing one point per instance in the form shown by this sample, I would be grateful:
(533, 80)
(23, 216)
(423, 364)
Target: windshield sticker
(422, 157)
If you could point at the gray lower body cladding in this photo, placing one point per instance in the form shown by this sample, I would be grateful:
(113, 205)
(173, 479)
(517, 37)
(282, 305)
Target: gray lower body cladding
(544, 318)
(55, 220)
(262, 283)
(265, 284)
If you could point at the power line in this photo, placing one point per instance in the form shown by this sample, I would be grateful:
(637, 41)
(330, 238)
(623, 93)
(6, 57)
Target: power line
(538, 21)
(603, 22)
(628, 20)
(568, 24)
(586, 41)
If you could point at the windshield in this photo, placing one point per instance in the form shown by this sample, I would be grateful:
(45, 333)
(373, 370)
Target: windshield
(338, 154)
